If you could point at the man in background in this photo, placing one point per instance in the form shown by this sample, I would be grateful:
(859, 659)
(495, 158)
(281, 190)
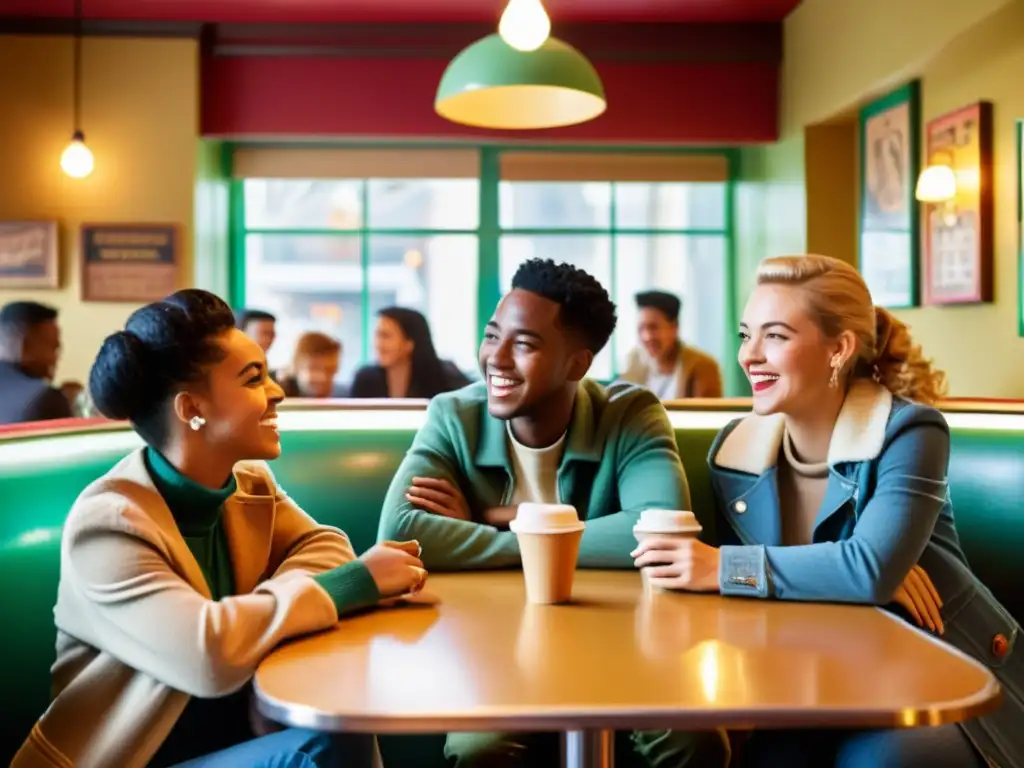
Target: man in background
(29, 348)
(663, 363)
(258, 325)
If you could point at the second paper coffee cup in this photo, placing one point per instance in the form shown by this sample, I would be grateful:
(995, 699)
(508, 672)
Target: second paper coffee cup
(549, 543)
(665, 523)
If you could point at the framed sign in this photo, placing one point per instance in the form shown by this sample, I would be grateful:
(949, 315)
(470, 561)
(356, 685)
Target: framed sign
(29, 257)
(958, 236)
(129, 262)
(888, 225)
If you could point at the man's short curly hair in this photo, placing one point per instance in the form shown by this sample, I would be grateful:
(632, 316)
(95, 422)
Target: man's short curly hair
(586, 306)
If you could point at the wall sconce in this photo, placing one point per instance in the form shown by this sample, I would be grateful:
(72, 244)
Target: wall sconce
(937, 186)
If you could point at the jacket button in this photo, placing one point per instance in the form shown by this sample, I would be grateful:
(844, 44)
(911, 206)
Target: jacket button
(740, 507)
(1000, 646)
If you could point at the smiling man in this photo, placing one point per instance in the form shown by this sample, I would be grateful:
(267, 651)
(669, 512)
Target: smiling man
(535, 430)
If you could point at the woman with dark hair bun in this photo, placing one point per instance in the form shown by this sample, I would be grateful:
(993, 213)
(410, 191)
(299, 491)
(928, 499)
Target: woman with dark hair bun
(185, 564)
(407, 363)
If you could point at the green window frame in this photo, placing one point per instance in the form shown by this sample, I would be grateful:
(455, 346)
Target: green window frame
(489, 233)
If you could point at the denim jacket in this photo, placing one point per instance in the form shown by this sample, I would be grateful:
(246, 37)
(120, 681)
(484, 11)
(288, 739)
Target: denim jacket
(886, 508)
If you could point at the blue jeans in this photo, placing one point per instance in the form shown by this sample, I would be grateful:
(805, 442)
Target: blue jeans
(293, 748)
(943, 747)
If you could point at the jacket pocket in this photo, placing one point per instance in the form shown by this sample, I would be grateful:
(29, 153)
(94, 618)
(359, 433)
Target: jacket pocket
(986, 632)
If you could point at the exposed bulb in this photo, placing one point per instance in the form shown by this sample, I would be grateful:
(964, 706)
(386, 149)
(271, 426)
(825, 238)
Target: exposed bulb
(524, 25)
(76, 160)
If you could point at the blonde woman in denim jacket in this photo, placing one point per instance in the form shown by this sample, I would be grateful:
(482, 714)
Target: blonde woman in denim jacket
(834, 489)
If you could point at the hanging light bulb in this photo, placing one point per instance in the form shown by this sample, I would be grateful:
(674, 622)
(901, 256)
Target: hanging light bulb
(524, 25)
(76, 160)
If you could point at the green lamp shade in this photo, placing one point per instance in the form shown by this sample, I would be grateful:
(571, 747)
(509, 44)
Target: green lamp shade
(492, 85)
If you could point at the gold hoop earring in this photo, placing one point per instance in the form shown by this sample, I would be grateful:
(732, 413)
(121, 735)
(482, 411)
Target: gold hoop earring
(833, 380)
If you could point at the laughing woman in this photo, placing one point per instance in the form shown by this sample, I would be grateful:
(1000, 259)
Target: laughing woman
(834, 489)
(185, 564)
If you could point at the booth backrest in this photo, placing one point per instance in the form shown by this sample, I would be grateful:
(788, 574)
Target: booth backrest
(340, 477)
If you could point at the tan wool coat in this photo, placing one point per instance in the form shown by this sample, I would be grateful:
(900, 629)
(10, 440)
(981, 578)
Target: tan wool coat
(137, 630)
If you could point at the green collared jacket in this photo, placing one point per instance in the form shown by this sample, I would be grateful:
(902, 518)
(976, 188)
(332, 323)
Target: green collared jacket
(620, 458)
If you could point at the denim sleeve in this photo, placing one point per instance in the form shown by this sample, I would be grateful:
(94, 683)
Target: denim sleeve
(890, 535)
(743, 571)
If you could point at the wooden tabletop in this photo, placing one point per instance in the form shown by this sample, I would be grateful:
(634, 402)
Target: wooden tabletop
(616, 657)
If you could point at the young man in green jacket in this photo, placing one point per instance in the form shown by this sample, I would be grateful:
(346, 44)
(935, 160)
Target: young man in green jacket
(534, 430)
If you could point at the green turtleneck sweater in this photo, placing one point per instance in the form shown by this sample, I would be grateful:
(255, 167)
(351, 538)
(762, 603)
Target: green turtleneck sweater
(197, 511)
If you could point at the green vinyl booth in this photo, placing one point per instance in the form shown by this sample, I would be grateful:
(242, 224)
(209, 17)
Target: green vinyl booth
(337, 462)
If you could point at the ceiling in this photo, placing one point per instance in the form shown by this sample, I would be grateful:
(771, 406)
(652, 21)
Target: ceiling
(354, 11)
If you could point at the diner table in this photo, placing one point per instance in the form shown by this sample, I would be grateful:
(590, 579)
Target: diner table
(619, 656)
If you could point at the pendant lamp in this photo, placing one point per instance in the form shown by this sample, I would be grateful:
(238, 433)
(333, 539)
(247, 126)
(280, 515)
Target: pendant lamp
(76, 160)
(490, 84)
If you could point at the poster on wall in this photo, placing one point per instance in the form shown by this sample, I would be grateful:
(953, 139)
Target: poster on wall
(888, 223)
(958, 235)
(129, 262)
(29, 256)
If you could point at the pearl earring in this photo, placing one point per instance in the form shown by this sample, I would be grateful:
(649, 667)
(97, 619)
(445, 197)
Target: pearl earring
(196, 422)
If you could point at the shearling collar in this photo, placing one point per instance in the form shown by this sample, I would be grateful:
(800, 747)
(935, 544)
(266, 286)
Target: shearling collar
(753, 446)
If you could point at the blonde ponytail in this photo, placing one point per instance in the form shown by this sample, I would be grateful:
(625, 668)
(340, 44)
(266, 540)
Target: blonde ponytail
(839, 301)
(900, 365)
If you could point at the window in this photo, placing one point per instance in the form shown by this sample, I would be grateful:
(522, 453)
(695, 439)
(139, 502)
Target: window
(326, 255)
(631, 236)
(330, 236)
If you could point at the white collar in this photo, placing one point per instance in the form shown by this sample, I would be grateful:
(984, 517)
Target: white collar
(859, 434)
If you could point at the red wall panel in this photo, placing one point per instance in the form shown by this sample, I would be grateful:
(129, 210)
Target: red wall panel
(664, 102)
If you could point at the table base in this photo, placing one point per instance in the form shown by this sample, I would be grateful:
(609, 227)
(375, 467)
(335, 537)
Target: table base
(588, 749)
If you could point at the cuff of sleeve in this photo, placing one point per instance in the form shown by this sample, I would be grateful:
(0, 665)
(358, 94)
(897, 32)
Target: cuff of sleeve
(350, 587)
(743, 572)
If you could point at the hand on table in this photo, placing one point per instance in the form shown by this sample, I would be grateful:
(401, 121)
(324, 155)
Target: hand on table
(674, 563)
(438, 496)
(918, 595)
(395, 567)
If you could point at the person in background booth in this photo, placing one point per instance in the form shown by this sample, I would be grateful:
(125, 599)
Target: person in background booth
(835, 489)
(185, 564)
(663, 363)
(314, 367)
(407, 364)
(29, 349)
(259, 326)
(535, 431)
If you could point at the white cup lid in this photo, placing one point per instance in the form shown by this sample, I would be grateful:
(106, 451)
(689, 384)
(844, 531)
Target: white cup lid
(546, 518)
(667, 521)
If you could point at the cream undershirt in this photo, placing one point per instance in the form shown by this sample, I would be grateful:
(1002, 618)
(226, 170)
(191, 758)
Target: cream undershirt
(801, 491)
(535, 470)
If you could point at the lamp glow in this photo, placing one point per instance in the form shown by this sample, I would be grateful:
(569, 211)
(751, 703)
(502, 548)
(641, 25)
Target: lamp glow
(76, 160)
(524, 25)
(936, 184)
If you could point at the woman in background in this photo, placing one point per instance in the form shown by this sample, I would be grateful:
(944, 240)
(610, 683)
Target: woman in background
(407, 364)
(185, 564)
(314, 366)
(835, 489)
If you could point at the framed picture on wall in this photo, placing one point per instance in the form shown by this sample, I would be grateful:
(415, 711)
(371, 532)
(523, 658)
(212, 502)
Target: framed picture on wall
(958, 234)
(29, 257)
(129, 262)
(888, 238)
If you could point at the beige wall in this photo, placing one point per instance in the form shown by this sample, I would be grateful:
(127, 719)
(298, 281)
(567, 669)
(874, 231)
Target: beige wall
(140, 117)
(831, 174)
(841, 54)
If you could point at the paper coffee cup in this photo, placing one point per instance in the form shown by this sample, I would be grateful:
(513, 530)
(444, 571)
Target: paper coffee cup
(549, 543)
(665, 523)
